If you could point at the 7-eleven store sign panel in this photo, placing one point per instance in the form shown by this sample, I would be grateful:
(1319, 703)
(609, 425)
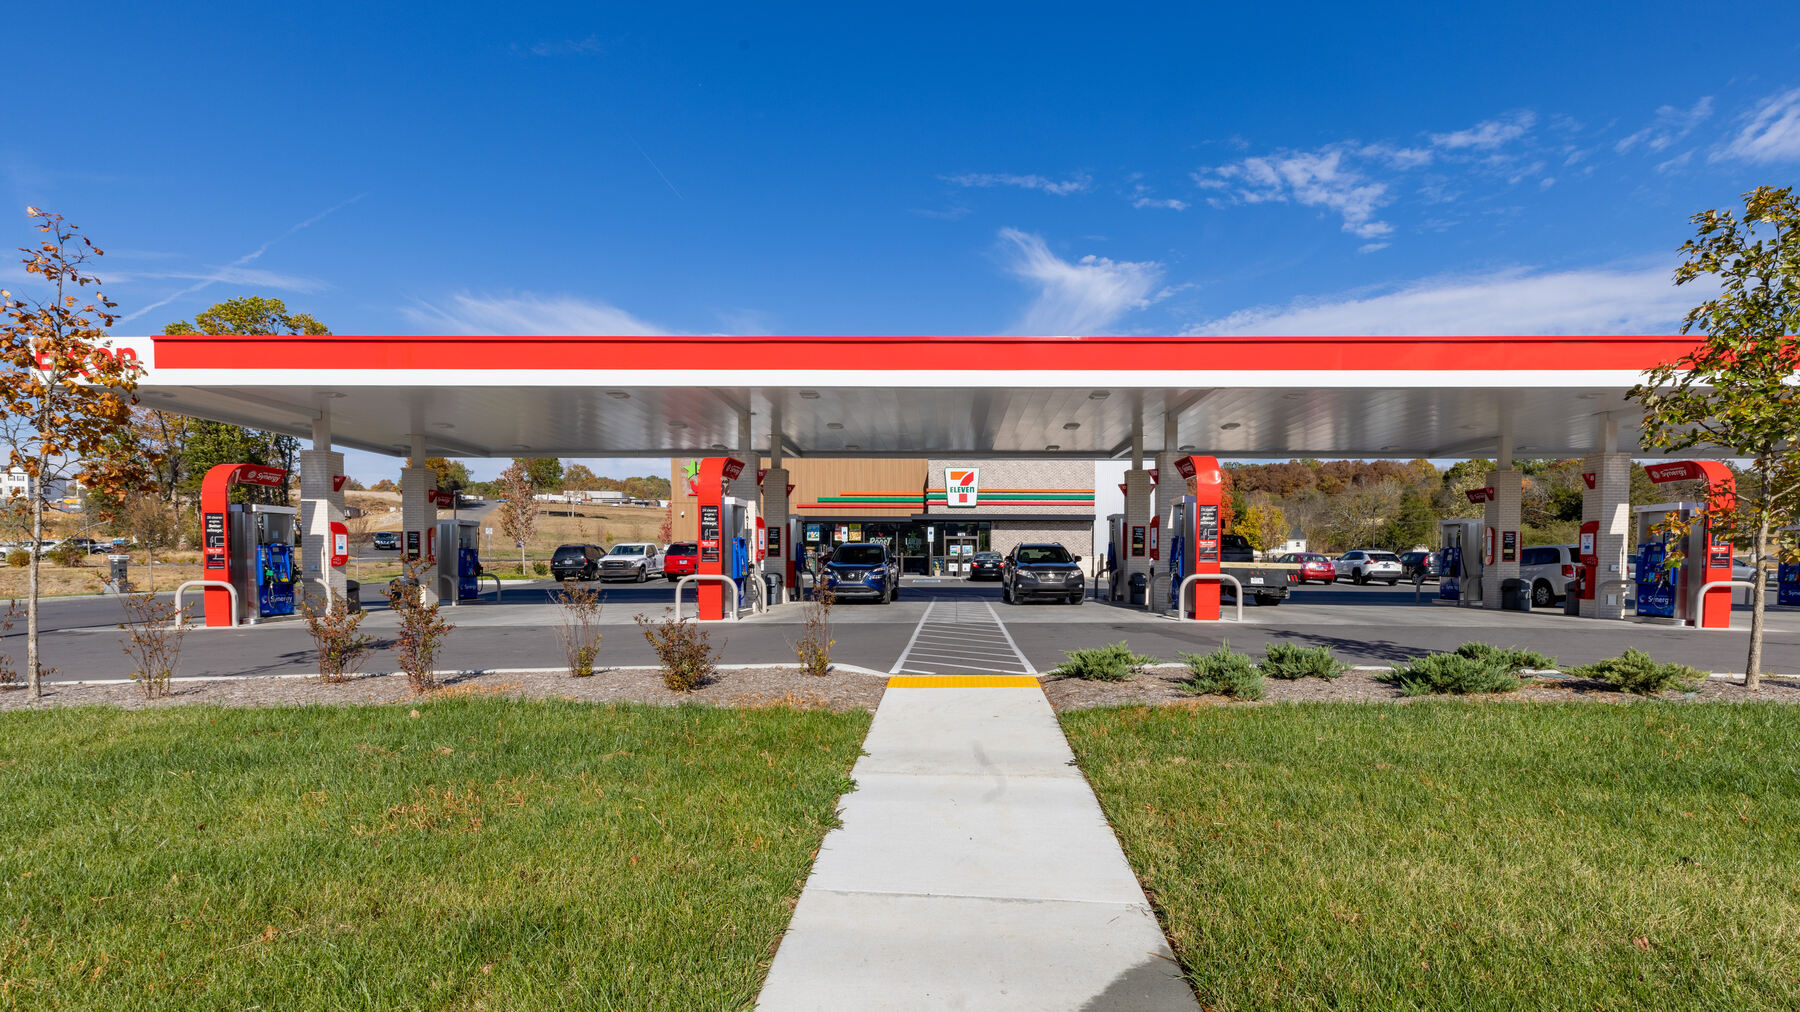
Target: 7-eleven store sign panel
(962, 486)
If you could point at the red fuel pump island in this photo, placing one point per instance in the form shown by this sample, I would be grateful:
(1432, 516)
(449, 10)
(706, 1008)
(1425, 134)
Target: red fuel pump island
(1675, 591)
(719, 540)
(250, 547)
(1202, 533)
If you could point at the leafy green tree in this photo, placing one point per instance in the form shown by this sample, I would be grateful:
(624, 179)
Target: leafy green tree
(546, 473)
(1414, 523)
(1735, 391)
(452, 475)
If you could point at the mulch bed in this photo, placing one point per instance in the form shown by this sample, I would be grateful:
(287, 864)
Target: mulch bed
(741, 687)
(1161, 685)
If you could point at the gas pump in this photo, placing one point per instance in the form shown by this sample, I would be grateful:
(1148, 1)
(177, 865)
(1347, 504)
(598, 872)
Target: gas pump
(1180, 547)
(1662, 587)
(1587, 559)
(1787, 577)
(1201, 533)
(1460, 559)
(721, 525)
(264, 537)
(745, 564)
(458, 560)
(1706, 555)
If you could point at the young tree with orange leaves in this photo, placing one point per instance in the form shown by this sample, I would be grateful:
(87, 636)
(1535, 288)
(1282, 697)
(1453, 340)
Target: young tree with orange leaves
(64, 395)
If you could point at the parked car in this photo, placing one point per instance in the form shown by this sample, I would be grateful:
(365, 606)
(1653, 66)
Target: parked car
(386, 541)
(682, 559)
(986, 566)
(1313, 566)
(88, 545)
(1042, 570)
(1414, 563)
(576, 562)
(863, 570)
(1547, 568)
(1365, 564)
(632, 560)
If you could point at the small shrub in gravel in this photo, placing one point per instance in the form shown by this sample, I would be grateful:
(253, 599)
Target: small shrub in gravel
(1111, 663)
(685, 650)
(580, 629)
(9, 675)
(152, 641)
(1454, 674)
(814, 648)
(1637, 672)
(541, 568)
(336, 638)
(18, 558)
(68, 554)
(1224, 672)
(1285, 660)
(1515, 658)
(421, 632)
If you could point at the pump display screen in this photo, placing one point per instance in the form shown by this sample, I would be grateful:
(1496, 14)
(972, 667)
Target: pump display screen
(215, 541)
(709, 523)
(1206, 532)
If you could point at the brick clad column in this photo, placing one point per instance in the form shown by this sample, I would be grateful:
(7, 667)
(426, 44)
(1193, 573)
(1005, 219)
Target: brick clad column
(1609, 502)
(418, 514)
(1138, 512)
(775, 514)
(1502, 514)
(319, 508)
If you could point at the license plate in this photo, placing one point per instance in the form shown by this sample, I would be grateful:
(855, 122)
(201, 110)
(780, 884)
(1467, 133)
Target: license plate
(1256, 579)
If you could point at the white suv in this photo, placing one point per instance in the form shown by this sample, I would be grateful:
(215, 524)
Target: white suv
(1546, 568)
(1365, 564)
(632, 560)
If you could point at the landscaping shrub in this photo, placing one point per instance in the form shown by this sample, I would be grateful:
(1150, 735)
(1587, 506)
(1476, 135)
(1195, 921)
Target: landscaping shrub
(814, 648)
(68, 554)
(1455, 674)
(18, 557)
(540, 567)
(1224, 672)
(1112, 663)
(1637, 672)
(1515, 658)
(580, 628)
(152, 641)
(685, 650)
(9, 675)
(1285, 660)
(336, 639)
(422, 629)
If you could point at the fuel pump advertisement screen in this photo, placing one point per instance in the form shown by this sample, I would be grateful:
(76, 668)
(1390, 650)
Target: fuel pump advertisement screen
(1509, 546)
(709, 523)
(774, 541)
(1206, 531)
(412, 544)
(1137, 541)
(215, 541)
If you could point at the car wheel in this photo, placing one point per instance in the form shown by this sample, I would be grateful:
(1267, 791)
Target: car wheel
(1357, 578)
(1005, 594)
(1542, 595)
(894, 595)
(1392, 582)
(643, 574)
(671, 577)
(1075, 599)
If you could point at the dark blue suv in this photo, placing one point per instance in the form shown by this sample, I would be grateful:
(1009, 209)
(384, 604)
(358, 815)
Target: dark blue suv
(868, 571)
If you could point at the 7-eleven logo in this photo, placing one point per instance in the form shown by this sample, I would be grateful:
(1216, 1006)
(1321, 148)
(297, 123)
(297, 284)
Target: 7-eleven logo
(962, 486)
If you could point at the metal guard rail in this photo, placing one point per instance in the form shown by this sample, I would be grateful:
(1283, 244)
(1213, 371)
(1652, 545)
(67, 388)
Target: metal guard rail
(494, 577)
(181, 616)
(1150, 590)
(1700, 598)
(730, 599)
(1181, 599)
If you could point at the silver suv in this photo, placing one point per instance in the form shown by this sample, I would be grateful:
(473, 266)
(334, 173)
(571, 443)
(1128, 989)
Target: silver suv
(1365, 564)
(1546, 568)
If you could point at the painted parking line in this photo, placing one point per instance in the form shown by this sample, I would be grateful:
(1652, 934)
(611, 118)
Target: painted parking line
(961, 638)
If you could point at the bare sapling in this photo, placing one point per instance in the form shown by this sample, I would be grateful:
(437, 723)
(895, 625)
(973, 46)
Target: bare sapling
(580, 627)
(152, 641)
(9, 675)
(336, 638)
(814, 648)
(422, 628)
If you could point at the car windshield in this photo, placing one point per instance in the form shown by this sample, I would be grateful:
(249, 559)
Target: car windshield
(684, 549)
(567, 552)
(987, 556)
(627, 550)
(1383, 557)
(1037, 555)
(859, 555)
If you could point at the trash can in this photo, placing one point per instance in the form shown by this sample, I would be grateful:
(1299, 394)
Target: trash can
(1139, 588)
(1515, 595)
(119, 571)
(352, 597)
(1572, 597)
(771, 589)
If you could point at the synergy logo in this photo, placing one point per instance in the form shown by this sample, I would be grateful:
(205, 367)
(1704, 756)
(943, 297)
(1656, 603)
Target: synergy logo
(962, 486)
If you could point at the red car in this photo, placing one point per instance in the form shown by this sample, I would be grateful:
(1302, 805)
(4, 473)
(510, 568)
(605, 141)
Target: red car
(682, 559)
(1313, 566)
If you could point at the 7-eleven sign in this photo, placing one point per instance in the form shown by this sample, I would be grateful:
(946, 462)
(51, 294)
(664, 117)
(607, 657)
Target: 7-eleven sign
(962, 486)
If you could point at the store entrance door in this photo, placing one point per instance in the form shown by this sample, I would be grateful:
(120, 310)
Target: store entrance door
(960, 552)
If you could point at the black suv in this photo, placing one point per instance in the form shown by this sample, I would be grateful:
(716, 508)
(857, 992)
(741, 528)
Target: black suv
(865, 570)
(576, 562)
(1041, 571)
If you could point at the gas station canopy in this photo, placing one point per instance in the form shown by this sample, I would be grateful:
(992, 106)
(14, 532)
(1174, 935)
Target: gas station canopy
(1073, 397)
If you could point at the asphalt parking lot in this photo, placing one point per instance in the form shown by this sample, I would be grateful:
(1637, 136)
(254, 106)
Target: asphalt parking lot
(942, 626)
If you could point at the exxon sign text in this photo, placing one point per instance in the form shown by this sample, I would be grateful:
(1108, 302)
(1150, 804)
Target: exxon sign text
(962, 486)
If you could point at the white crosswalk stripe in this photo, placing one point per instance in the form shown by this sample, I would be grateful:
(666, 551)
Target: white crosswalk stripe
(961, 636)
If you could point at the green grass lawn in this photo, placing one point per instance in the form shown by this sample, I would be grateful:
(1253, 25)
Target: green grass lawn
(486, 854)
(1455, 855)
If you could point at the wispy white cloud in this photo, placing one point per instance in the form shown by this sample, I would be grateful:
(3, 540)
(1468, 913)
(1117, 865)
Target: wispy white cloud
(527, 313)
(1488, 134)
(564, 47)
(1771, 132)
(1601, 300)
(1141, 199)
(1084, 296)
(1322, 178)
(1058, 187)
(1669, 125)
(249, 276)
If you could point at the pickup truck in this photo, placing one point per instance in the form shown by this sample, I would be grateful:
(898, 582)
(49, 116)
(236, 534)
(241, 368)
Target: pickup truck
(1267, 582)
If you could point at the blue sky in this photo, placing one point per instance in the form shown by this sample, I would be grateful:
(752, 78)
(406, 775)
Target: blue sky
(845, 169)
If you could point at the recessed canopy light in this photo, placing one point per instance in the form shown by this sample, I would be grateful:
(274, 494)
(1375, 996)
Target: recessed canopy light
(1228, 426)
(1292, 395)
(1052, 447)
(809, 395)
(520, 446)
(834, 425)
(618, 394)
(1187, 448)
(1388, 447)
(1099, 395)
(1071, 426)
(333, 394)
(852, 446)
(718, 446)
(677, 425)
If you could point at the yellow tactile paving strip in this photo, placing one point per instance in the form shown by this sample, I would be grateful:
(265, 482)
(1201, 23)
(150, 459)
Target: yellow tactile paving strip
(962, 682)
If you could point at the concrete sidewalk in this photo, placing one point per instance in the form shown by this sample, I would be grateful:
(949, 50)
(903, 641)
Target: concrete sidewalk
(973, 871)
